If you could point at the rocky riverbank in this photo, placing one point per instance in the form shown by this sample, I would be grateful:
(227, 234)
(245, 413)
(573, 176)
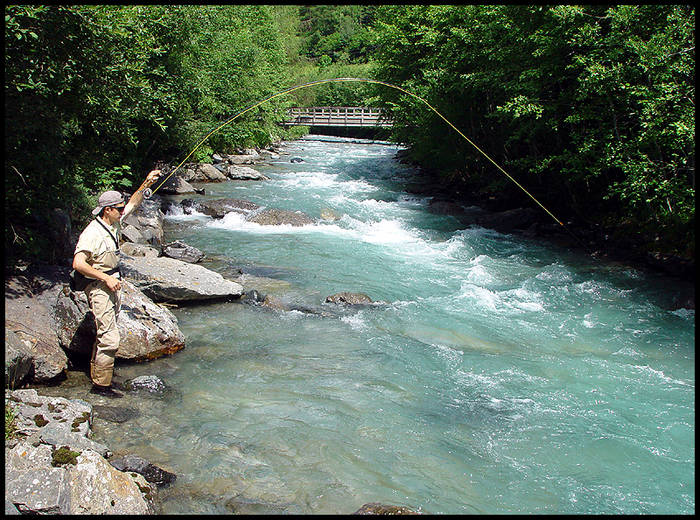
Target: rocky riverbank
(620, 244)
(52, 465)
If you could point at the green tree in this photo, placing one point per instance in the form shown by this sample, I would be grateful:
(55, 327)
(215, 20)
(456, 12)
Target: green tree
(589, 107)
(95, 94)
(341, 32)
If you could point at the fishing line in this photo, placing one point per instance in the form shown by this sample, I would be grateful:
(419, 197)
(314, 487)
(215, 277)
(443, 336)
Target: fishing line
(365, 80)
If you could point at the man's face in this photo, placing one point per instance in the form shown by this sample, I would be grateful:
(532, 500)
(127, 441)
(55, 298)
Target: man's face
(112, 214)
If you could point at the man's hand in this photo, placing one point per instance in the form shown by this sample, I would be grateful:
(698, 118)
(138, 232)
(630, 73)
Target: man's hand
(152, 177)
(113, 284)
(80, 264)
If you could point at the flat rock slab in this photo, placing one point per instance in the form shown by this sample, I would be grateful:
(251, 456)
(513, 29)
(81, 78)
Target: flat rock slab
(55, 420)
(168, 280)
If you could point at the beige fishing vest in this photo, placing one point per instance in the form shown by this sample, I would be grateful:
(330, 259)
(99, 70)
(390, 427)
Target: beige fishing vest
(99, 241)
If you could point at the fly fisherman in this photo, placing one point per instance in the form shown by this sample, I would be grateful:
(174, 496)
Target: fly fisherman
(97, 257)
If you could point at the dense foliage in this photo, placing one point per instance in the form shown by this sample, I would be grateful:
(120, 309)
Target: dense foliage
(95, 94)
(590, 107)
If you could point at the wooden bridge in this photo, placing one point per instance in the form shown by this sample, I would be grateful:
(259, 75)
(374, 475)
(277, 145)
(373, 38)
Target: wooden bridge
(336, 116)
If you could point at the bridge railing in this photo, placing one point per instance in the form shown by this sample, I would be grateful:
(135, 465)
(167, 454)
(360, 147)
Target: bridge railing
(336, 116)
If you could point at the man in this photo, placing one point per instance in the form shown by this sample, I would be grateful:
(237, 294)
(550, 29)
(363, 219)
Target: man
(97, 257)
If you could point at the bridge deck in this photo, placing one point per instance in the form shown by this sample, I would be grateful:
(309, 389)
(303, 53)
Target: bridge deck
(336, 116)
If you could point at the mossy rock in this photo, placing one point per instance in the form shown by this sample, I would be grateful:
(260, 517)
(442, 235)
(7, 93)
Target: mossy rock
(64, 455)
(40, 420)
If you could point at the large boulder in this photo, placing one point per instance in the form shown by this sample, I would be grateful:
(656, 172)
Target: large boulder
(208, 173)
(145, 224)
(146, 330)
(29, 313)
(18, 360)
(133, 249)
(176, 185)
(278, 217)
(169, 280)
(247, 158)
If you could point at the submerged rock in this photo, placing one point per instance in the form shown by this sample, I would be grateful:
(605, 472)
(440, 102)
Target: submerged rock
(329, 214)
(152, 384)
(218, 208)
(115, 414)
(150, 472)
(253, 297)
(349, 298)
(278, 217)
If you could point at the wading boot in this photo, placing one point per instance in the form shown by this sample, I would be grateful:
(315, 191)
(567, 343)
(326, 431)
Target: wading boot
(106, 391)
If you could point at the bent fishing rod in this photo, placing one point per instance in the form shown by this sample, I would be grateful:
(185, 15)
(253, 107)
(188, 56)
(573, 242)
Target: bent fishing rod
(148, 193)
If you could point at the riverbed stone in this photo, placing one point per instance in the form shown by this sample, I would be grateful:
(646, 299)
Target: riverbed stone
(245, 173)
(115, 414)
(168, 280)
(184, 252)
(148, 383)
(134, 249)
(151, 472)
(210, 174)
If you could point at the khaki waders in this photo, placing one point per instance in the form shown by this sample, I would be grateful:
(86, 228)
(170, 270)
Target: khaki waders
(104, 304)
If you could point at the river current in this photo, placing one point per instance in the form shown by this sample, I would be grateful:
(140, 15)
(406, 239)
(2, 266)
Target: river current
(495, 375)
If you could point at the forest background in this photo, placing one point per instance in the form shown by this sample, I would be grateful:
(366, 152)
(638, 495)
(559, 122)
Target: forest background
(592, 108)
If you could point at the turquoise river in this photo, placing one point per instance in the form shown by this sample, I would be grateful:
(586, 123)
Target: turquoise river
(496, 375)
